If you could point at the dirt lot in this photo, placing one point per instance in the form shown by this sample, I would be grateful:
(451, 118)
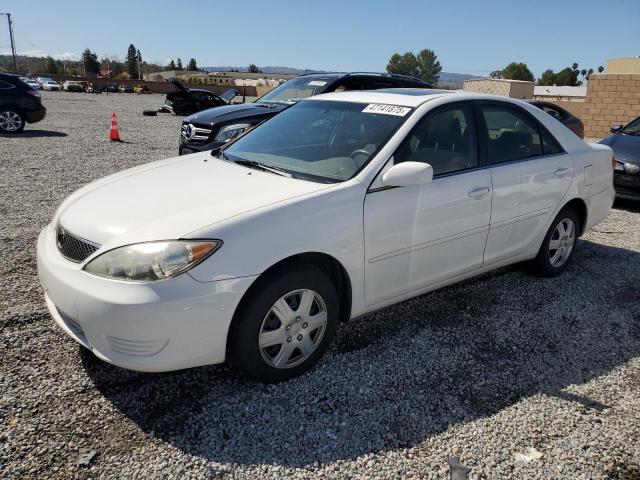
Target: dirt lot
(483, 370)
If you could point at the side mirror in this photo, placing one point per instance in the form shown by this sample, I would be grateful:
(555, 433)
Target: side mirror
(407, 174)
(616, 128)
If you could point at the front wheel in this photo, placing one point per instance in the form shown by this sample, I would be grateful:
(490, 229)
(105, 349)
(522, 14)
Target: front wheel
(284, 326)
(11, 121)
(558, 245)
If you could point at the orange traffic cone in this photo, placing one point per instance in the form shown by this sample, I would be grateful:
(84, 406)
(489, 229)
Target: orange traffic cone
(114, 135)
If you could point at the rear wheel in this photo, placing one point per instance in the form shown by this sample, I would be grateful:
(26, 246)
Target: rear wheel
(284, 326)
(558, 245)
(11, 121)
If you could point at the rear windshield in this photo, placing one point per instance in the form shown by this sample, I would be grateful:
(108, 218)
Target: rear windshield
(320, 140)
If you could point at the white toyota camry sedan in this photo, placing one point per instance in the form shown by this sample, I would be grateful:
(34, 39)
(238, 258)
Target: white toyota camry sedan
(338, 206)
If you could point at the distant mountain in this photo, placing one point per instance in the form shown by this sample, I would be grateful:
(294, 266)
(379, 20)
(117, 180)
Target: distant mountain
(445, 77)
(267, 69)
(455, 78)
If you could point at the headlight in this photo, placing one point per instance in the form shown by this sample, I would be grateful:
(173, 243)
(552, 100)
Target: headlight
(231, 131)
(151, 261)
(631, 169)
(619, 166)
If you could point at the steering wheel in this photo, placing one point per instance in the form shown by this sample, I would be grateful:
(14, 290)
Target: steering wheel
(360, 151)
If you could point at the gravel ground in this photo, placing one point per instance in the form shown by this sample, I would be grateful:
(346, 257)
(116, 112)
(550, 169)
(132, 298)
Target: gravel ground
(484, 370)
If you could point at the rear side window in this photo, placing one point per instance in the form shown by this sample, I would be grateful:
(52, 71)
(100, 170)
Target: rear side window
(550, 145)
(511, 134)
(5, 85)
(445, 139)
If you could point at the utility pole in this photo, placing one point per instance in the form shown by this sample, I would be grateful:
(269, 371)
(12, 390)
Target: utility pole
(13, 45)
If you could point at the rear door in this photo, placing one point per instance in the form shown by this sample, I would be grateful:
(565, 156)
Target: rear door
(530, 175)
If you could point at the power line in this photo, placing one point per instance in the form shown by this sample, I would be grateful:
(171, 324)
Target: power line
(13, 45)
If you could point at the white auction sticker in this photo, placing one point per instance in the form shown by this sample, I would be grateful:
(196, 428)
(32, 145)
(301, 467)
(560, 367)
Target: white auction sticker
(387, 109)
(316, 83)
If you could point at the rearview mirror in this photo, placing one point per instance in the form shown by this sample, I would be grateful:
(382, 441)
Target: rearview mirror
(616, 128)
(407, 174)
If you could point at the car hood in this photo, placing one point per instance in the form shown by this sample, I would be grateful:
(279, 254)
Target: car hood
(626, 148)
(172, 198)
(218, 115)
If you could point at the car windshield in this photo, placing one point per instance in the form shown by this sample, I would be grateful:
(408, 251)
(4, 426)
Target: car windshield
(296, 89)
(317, 140)
(633, 128)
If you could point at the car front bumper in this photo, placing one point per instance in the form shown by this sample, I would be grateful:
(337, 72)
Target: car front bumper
(627, 186)
(160, 326)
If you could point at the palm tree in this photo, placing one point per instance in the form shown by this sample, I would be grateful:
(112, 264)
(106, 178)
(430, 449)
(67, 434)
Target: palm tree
(600, 69)
(583, 72)
(574, 66)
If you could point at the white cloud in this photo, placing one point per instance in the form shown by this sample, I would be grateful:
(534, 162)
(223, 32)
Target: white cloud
(67, 56)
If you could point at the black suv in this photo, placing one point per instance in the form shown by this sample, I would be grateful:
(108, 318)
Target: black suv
(19, 103)
(213, 128)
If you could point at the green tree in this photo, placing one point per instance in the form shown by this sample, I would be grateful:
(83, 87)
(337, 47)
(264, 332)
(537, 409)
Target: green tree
(518, 71)
(547, 78)
(51, 67)
(406, 64)
(91, 64)
(253, 69)
(179, 64)
(600, 69)
(497, 74)
(171, 66)
(192, 67)
(429, 66)
(424, 65)
(568, 77)
(132, 60)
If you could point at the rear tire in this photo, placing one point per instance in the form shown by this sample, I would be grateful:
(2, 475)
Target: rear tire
(11, 121)
(284, 326)
(558, 245)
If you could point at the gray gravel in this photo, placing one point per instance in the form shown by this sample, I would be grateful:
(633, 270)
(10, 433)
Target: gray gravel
(484, 370)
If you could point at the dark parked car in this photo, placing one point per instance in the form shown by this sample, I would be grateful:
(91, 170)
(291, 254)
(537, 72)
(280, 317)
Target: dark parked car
(19, 104)
(213, 128)
(185, 101)
(625, 142)
(111, 87)
(569, 120)
(125, 89)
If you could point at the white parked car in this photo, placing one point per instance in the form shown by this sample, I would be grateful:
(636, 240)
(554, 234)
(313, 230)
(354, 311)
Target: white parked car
(338, 206)
(49, 84)
(32, 82)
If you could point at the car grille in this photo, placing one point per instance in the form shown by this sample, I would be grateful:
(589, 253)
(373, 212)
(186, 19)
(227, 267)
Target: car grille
(194, 134)
(73, 247)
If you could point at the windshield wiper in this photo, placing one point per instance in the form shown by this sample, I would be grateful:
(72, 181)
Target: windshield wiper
(631, 132)
(262, 166)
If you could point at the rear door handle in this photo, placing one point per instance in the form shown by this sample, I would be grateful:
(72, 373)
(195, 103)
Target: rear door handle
(479, 192)
(561, 172)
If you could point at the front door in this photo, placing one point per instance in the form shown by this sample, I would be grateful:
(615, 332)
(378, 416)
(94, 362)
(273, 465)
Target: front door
(422, 235)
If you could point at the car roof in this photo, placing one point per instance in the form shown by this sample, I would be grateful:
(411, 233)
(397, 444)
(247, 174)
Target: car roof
(405, 97)
(337, 75)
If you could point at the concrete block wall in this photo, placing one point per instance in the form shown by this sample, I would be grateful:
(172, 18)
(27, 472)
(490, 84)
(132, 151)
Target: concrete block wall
(611, 99)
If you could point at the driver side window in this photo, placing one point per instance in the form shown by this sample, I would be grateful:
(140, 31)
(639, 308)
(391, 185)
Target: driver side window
(445, 139)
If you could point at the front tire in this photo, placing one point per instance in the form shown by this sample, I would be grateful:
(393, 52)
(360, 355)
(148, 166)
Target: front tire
(559, 244)
(11, 121)
(284, 326)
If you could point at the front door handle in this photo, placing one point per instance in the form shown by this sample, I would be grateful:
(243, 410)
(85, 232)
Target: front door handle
(561, 172)
(479, 192)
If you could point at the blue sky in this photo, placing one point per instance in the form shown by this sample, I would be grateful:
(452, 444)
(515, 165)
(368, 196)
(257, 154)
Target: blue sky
(468, 36)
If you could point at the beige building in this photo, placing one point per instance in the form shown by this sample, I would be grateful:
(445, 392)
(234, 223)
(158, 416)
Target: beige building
(499, 86)
(623, 65)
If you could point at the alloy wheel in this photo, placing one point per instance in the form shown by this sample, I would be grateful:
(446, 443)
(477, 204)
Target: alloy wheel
(10, 121)
(562, 242)
(293, 328)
